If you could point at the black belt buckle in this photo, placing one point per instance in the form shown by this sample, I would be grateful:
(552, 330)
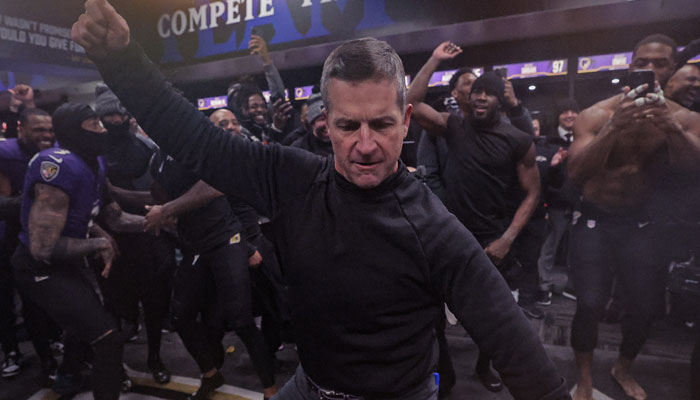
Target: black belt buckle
(326, 394)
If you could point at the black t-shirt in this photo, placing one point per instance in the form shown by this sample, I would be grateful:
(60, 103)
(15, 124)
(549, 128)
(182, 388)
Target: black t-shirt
(481, 179)
(203, 228)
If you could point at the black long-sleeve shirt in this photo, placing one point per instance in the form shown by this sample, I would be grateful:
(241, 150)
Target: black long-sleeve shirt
(367, 269)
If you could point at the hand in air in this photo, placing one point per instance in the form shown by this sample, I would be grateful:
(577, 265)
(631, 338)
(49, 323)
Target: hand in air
(258, 45)
(100, 29)
(22, 95)
(559, 157)
(446, 51)
(281, 112)
(509, 94)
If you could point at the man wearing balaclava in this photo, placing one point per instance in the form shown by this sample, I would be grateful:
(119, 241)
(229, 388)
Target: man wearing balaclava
(62, 194)
(491, 181)
(143, 274)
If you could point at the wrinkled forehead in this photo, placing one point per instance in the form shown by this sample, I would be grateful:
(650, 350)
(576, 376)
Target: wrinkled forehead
(366, 92)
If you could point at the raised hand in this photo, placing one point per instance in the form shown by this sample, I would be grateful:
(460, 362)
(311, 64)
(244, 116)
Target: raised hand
(22, 95)
(509, 94)
(559, 157)
(258, 45)
(100, 29)
(446, 51)
(281, 112)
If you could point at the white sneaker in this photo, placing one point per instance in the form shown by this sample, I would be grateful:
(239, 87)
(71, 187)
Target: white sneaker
(12, 365)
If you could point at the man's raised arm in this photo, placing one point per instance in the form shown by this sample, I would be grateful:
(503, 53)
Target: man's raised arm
(260, 175)
(425, 115)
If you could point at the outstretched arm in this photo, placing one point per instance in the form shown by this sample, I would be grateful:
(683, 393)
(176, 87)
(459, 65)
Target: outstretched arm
(160, 216)
(134, 198)
(425, 115)
(119, 221)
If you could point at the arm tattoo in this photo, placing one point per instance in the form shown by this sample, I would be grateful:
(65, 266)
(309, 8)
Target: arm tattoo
(67, 248)
(47, 219)
(119, 221)
(135, 198)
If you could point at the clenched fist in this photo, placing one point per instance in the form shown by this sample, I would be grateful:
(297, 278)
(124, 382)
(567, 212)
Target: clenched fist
(100, 29)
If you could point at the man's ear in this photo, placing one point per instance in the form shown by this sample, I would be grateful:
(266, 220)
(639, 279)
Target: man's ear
(407, 119)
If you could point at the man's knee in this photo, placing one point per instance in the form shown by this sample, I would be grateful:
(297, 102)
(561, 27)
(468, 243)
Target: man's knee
(590, 306)
(178, 317)
(109, 344)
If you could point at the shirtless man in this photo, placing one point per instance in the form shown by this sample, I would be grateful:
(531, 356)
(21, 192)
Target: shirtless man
(624, 148)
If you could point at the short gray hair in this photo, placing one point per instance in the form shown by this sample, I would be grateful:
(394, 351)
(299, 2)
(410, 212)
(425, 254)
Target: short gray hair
(361, 60)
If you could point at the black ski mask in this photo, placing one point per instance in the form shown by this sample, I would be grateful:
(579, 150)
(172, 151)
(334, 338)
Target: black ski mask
(67, 120)
(128, 157)
(118, 133)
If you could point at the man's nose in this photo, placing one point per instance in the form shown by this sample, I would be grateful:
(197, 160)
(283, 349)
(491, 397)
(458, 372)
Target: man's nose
(366, 143)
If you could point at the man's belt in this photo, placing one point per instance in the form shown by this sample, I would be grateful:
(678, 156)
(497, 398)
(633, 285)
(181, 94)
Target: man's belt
(325, 394)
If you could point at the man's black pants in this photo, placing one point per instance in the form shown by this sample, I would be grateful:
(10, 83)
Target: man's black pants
(40, 327)
(603, 248)
(142, 274)
(65, 294)
(217, 285)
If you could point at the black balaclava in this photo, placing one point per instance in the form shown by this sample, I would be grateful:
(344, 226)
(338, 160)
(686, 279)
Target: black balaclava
(67, 120)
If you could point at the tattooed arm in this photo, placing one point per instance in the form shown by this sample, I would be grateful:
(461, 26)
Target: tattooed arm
(119, 221)
(47, 219)
(138, 199)
(96, 231)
